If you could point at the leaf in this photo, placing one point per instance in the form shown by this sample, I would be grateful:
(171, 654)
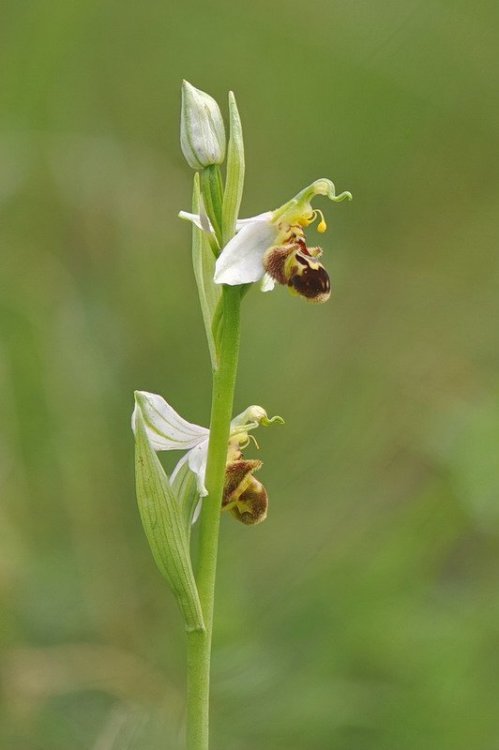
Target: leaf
(203, 261)
(234, 179)
(164, 525)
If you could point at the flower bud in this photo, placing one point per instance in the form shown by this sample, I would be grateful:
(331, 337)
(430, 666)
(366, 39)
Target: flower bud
(202, 132)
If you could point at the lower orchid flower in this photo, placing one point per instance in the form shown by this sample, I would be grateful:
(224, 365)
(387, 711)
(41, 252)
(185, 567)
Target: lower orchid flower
(271, 246)
(166, 430)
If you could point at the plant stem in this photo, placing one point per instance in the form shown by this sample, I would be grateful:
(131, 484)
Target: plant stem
(199, 642)
(212, 191)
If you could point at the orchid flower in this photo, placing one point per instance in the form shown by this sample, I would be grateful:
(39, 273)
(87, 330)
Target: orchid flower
(166, 431)
(271, 246)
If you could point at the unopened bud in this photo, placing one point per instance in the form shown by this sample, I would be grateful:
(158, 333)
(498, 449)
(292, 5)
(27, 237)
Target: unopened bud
(202, 132)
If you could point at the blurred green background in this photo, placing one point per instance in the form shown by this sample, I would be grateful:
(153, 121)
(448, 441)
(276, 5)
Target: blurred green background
(364, 614)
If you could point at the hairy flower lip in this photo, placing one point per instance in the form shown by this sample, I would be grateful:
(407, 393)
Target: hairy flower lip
(166, 430)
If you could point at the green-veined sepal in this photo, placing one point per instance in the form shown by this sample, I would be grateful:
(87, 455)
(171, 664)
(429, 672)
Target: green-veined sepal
(164, 525)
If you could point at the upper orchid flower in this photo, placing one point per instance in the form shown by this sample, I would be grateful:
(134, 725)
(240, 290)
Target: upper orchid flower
(166, 430)
(272, 246)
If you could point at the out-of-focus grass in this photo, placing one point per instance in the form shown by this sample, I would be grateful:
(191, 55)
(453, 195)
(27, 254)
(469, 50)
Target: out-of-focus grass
(363, 615)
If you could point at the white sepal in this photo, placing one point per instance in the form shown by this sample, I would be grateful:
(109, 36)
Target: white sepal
(201, 222)
(197, 459)
(268, 283)
(241, 260)
(166, 430)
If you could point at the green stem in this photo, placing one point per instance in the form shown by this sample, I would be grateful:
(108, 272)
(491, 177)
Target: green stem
(198, 642)
(212, 191)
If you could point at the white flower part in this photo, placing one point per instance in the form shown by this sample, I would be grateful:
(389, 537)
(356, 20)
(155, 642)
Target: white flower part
(197, 459)
(197, 220)
(166, 430)
(202, 132)
(197, 512)
(268, 283)
(266, 216)
(202, 222)
(241, 260)
(247, 420)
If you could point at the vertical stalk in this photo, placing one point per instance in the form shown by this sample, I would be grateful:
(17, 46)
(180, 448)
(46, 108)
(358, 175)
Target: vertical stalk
(199, 643)
(212, 192)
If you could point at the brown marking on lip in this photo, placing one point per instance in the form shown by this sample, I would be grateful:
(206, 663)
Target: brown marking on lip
(274, 261)
(312, 282)
(237, 476)
(295, 265)
(251, 507)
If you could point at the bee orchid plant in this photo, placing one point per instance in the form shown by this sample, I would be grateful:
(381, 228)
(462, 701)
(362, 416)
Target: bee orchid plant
(213, 475)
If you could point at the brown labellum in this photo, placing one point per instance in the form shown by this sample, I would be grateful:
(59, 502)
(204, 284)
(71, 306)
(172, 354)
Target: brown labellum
(251, 507)
(311, 279)
(296, 266)
(244, 496)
